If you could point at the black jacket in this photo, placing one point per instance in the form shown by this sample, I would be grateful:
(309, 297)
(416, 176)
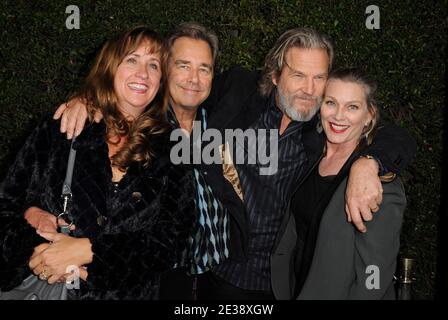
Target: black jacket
(235, 102)
(147, 222)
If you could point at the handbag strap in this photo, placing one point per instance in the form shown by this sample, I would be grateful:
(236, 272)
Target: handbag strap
(66, 187)
(67, 191)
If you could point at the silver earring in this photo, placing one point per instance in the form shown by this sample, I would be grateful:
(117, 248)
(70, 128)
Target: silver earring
(319, 127)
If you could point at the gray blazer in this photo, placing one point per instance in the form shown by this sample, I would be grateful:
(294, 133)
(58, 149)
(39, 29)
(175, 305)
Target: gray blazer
(342, 255)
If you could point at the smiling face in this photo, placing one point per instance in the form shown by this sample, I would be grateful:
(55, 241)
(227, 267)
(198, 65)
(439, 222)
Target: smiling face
(137, 80)
(344, 112)
(190, 72)
(301, 83)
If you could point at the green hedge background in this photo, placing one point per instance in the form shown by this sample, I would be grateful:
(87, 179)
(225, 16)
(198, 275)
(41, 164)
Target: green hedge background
(42, 62)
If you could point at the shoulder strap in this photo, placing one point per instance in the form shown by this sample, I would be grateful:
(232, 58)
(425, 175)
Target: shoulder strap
(66, 189)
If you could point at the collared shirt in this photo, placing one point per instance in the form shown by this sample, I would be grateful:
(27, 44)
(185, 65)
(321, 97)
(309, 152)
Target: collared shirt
(208, 245)
(265, 199)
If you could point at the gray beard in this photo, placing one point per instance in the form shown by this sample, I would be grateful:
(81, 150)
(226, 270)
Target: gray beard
(292, 112)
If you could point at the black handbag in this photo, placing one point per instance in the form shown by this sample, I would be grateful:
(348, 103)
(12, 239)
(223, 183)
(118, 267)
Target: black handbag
(33, 288)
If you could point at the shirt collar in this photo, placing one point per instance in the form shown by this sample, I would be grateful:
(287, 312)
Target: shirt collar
(200, 116)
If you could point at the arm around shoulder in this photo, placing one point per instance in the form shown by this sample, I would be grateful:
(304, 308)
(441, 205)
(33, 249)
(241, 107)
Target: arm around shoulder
(394, 147)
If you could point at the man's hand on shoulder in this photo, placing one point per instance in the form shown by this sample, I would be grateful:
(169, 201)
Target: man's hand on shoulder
(73, 115)
(364, 192)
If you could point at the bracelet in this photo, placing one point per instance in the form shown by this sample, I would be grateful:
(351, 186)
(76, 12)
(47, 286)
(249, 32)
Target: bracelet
(368, 156)
(388, 177)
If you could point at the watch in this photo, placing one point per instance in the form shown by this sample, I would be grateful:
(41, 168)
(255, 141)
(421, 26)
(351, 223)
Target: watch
(387, 176)
(368, 156)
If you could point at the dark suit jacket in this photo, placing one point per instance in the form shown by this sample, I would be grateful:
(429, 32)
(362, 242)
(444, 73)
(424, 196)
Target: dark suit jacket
(235, 102)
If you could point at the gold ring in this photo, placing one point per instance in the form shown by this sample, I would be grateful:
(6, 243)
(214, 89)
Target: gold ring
(43, 275)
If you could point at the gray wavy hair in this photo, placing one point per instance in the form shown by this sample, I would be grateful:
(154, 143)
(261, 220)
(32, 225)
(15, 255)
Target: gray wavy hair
(305, 38)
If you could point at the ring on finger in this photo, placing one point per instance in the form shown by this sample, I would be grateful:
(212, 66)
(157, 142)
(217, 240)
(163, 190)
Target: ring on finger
(43, 275)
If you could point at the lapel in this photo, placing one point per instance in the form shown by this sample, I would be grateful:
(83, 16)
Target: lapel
(239, 107)
(92, 172)
(313, 230)
(313, 142)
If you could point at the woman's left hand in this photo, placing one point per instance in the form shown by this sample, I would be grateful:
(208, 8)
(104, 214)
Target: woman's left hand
(52, 262)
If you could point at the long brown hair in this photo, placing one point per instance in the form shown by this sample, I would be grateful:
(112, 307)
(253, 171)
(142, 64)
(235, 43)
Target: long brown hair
(99, 94)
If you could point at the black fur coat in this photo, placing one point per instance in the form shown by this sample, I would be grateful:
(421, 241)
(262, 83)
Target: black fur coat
(137, 232)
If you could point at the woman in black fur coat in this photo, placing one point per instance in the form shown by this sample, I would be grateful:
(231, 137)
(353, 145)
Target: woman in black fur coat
(132, 208)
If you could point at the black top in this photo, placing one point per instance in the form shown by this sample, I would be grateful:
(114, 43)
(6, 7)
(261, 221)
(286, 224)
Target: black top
(304, 204)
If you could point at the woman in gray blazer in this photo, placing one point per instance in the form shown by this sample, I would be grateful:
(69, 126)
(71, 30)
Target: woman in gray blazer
(332, 259)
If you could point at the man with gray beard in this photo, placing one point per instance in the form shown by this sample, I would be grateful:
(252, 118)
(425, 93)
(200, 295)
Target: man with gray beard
(285, 103)
(286, 96)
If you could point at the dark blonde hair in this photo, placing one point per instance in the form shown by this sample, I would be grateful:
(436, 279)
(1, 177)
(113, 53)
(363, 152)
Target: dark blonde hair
(99, 94)
(305, 38)
(359, 76)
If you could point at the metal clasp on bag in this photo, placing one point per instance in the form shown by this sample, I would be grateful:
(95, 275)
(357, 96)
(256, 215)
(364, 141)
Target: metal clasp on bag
(65, 216)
